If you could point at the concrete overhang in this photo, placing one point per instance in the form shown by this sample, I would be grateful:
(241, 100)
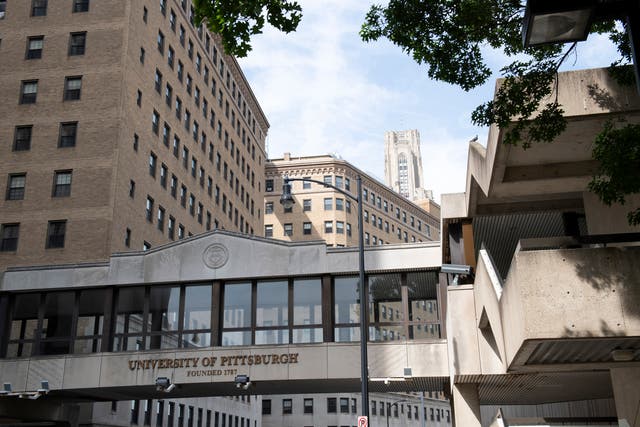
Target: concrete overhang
(571, 309)
(503, 178)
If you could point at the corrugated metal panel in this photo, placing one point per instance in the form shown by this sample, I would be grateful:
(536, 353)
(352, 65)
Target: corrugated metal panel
(582, 350)
(537, 388)
(499, 234)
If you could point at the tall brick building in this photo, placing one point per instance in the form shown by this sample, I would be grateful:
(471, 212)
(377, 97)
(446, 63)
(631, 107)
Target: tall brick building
(323, 213)
(123, 127)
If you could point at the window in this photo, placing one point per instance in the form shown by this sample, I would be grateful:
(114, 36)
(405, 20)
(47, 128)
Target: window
(72, 88)
(62, 184)
(306, 205)
(171, 227)
(181, 35)
(161, 219)
(142, 52)
(153, 161)
(189, 83)
(305, 184)
(328, 226)
(155, 122)
(149, 209)
(347, 184)
(28, 92)
(268, 208)
(266, 406)
(166, 132)
(127, 243)
(268, 230)
(268, 186)
(172, 20)
(190, 49)
(288, 229)
(192, 203)
(287, 406)
(306, 228)
(171, 54)
(161, 42)
(174, 186)
(344, 405)
(34, 47)
(22, 139)
(15, 189)
(139, 98)
(340, 227)
(308, 406)
(331, 405)
(180, 70)
(348, 229)
(9, 237)
(339, 204)
(55, 234)
(80, 6)
(328, 204)
(77, 42)
(39, 8)
(158, 81)
(354, 406)
(145, 14)
(132, 188)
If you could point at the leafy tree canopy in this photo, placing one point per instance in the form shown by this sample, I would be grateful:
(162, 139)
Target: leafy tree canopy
(449, 37)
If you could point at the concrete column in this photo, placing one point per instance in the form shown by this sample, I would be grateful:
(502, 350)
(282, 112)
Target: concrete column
(466, 405)
(626, 392)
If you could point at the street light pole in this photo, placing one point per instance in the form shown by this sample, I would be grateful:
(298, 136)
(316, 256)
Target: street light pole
(391, 405)
(287, 201)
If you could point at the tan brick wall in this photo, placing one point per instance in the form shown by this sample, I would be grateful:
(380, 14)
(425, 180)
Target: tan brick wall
(104, 161)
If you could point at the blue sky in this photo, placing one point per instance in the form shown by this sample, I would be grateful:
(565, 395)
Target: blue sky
(325, 91)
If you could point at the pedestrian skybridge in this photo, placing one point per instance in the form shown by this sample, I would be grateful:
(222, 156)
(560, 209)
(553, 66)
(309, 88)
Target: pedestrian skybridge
(216, 311)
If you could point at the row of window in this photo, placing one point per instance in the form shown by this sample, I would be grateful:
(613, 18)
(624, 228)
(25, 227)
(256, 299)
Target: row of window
(10, 233)
(17, 184)
(39, 7)
(307, 227)
(77, 44)
(72, 90)
(259, 312)
(66, 136)
(367, 196)
(203, 70)
(191, 162)
(345, 405)
(181, 415)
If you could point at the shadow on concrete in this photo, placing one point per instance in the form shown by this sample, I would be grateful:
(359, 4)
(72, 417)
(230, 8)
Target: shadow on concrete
(603, 98)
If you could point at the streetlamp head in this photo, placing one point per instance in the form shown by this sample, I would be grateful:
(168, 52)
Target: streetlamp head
(286, 199)
(551, 21)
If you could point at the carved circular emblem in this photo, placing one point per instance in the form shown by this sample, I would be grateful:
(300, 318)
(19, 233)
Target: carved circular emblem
(215, 256)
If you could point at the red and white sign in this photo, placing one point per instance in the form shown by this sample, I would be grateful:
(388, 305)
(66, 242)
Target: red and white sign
(363, 422)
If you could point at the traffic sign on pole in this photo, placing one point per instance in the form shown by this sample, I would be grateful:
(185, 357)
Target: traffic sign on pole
(363, 421)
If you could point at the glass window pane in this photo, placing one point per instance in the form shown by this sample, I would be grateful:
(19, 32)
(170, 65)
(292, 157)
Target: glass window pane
(272, 336)
(196, 339)
(237, 306)
(387, 333)
(430, 330)
(25, 312)
(197, 307)
(91, 312)
(58, 314)
(236, 338)
(273, 302)
(385, 297)
(347, 307)
(423, 291)
(307, 335)
(164, 306)
(307, 302)
(130, 311)
(349, 334)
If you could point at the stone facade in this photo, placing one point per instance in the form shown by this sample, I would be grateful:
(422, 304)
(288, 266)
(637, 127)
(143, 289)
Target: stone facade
(403, 164)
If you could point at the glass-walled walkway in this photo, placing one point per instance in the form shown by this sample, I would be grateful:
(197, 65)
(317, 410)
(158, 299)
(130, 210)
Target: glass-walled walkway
(402, 306)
